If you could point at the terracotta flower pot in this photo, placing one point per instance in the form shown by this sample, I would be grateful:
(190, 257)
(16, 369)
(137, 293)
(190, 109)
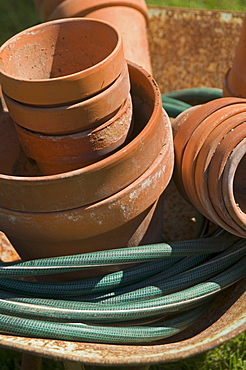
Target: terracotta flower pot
(129, 16)
(235, 78)
(71, 8)
(99, 180)
(62, 153)
(196, 142)
(61, 61)
(224, 154)
(215, 129)
(204, 167)
(184, 126)
(110, 223)
(76, 117)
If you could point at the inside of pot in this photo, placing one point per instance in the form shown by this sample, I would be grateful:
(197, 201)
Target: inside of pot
(56, 50)
(240, 184)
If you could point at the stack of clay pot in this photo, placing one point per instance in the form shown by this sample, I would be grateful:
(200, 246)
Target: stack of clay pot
(129, 16)
(235, 77)
(69, 95)
(115, 201)
(210, 166)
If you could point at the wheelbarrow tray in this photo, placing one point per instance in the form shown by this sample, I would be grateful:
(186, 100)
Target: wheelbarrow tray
(189, 48)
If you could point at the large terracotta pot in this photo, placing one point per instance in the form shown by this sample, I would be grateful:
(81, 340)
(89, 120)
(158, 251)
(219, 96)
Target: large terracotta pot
(129, 216)
(61, 153)
(75, 117)
(61, 61)
(235, 77)
(111, 223)
(129, 16)
(211, 161)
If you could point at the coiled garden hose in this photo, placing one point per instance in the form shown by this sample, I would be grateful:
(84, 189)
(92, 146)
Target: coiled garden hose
(171, 286)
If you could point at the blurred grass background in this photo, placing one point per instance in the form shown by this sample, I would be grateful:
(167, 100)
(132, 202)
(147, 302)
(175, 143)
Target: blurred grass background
(16, 15)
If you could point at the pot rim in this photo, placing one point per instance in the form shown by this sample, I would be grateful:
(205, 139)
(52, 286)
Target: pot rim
(62, 112)
(139, 5)
(205, 156)
(115, 58)
(228, 178)
(195, 143)
(76, 144)
(216, 168)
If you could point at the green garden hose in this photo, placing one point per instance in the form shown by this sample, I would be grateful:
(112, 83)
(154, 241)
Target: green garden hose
(171, 286)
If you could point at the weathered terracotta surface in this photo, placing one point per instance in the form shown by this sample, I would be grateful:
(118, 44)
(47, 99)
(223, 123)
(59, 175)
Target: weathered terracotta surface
(204, 140)
(61, 153)
(75, 117)
(107, 224)
(235, 77)
(203, 164)
(99, 180)
(61, 61)
(224, 152)
(128, 16)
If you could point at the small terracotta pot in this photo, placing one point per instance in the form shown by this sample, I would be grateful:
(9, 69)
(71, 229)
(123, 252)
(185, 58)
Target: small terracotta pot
(129, 16)
(62, 153)
(75, 117)
(61, 61)
(213, 132)
(152, 131)
(235, 77)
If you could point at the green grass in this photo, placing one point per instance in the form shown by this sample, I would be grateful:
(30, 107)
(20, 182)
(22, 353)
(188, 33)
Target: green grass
(233, 5)
(16, 15)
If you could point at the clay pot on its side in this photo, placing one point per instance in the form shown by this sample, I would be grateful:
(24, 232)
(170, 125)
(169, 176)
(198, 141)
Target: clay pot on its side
(63, 153)
(210, 168)
(235, 77)
(72, 118)
(61, 61)
(129, 16)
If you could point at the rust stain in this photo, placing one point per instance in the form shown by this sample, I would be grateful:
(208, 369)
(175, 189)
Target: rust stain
(192, 48)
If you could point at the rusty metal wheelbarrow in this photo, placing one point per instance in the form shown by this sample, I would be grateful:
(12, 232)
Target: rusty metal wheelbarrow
(189, 48)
